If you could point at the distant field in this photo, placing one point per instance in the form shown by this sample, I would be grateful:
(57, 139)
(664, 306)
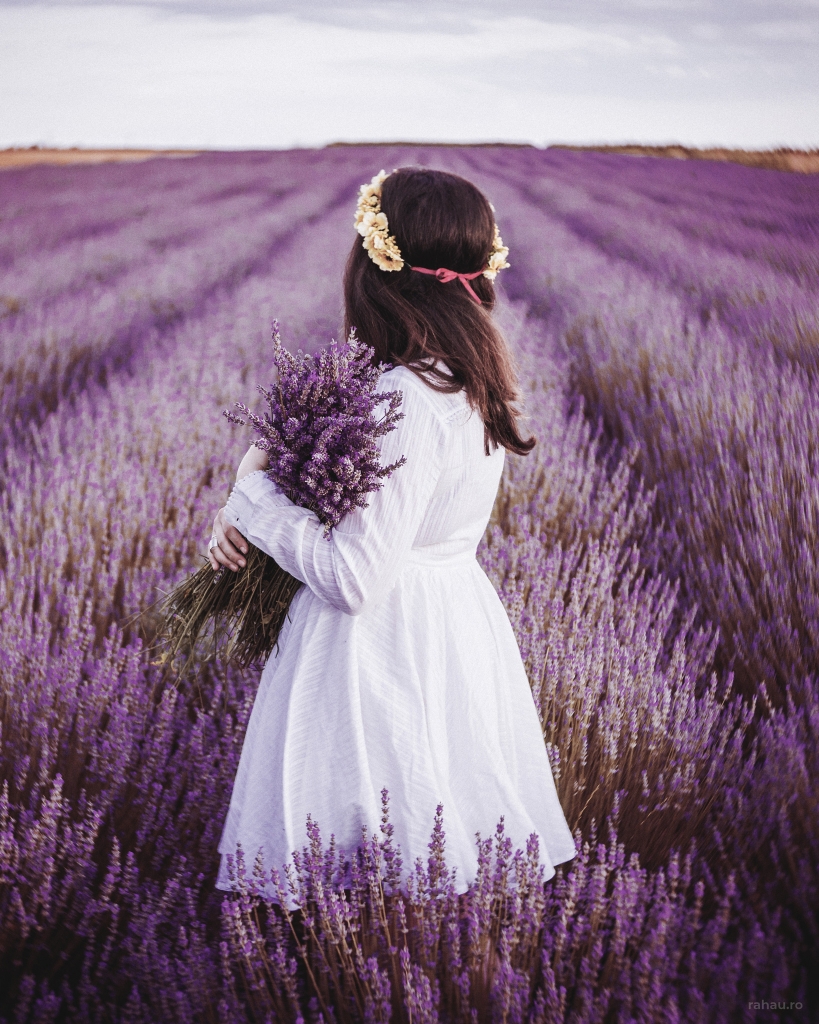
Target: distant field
(656, 554)
(801, 161)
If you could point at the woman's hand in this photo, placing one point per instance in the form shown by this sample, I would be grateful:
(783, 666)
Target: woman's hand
(253, 460)
(231, 546)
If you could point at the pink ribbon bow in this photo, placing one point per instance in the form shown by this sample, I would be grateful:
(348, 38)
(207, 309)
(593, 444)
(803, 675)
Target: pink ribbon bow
(445, 276)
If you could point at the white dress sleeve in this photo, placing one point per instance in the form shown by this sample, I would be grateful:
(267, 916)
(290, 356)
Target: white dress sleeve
(361, 558)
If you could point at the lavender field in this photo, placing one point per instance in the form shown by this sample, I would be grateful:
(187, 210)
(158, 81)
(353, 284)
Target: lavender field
(656, 554)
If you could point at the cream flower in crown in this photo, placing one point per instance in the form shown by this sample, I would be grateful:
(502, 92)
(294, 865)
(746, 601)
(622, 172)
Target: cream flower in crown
(497, 258)
(371, 224)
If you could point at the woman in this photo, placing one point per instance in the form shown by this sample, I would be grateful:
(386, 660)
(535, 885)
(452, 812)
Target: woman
(398, 666)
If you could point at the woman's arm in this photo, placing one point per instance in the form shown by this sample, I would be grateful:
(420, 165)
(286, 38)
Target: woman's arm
(363, 555)
(254, 460)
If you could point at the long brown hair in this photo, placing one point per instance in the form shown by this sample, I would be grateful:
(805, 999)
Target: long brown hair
(410, 319)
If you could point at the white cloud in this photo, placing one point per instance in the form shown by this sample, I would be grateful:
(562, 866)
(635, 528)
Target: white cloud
(129, 75)
(791, 31)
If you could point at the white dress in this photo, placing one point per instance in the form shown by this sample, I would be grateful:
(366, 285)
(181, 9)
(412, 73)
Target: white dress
(398, 666)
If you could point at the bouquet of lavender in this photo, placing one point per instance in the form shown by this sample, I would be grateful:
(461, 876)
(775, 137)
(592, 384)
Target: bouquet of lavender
(320, 431)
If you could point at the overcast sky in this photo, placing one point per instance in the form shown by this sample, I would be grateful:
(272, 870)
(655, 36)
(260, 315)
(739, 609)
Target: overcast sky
(274, 73)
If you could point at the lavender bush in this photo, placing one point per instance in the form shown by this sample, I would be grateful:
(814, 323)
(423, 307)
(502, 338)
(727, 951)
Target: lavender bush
(655, 555)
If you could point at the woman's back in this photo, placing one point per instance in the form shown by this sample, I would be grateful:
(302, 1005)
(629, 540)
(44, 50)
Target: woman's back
(467, 480)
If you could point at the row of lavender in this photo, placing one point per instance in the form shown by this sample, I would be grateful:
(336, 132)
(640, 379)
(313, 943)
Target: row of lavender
(702, 349)
(654, 555)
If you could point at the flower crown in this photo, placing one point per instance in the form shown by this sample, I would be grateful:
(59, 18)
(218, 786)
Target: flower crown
(371, 224)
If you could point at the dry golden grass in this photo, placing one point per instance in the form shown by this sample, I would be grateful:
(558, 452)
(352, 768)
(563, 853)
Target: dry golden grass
(803, 161)
(12, 158)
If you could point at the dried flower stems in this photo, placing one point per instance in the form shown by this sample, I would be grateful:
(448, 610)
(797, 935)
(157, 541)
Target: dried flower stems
(247, 609)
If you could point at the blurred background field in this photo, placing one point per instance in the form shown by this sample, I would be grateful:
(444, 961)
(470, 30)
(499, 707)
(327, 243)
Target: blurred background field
(783, 159)
(656, 554)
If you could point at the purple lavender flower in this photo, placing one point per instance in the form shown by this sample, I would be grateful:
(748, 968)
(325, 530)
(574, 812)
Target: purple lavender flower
(321, 427)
